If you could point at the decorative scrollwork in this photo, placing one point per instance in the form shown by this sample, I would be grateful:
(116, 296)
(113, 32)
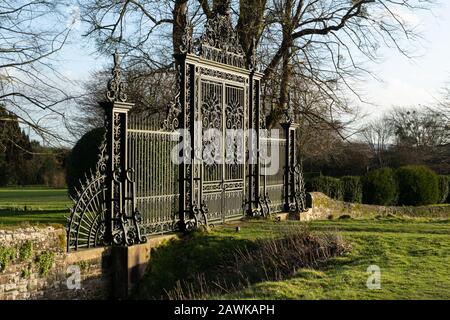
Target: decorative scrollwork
(116, 87)
(220, 34)
(219, 42)
(86, 224)
(103, 155)
(289, 115)
(127, 218)
(212, 119)
(187, 41)
(222, 75)
(299, 195)
(212, 112)
(265, 205)
(235, 114)
(263, 208)
(171, 122)
(201, 215)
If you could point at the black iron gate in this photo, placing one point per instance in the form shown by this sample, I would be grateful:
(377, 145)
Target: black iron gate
(139, 190)
(222, 124)
(155, 174)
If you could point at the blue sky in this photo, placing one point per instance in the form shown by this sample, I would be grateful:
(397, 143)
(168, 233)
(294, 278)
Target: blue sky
(404, 82)
(407, 82)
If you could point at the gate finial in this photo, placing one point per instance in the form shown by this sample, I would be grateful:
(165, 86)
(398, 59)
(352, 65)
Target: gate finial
(116, 87)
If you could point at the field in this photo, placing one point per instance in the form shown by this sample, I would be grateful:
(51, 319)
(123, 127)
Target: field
(33, 206)
(413, 253)
(413, 256)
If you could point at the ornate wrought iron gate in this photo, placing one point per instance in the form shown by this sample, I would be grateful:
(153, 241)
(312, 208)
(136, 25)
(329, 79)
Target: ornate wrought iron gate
(138, 190)
(156, 176)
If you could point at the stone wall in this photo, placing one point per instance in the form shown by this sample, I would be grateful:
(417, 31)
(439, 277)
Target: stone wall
(34, 264)
(38, 267)
(323, 207)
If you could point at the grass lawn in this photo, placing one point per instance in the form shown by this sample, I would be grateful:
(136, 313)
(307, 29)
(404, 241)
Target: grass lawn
(33, 205)
(413, 255)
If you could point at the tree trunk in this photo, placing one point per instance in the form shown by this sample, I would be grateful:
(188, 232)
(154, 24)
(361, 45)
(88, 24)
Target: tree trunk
(250, 25)
(286, 68)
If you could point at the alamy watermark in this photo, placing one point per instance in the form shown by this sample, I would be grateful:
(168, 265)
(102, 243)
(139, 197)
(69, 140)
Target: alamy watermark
(235, 146)
(73, 281)
(374, 279)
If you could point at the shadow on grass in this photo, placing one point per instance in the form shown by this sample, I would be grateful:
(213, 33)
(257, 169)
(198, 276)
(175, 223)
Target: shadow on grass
(184, 259)
(203, 265)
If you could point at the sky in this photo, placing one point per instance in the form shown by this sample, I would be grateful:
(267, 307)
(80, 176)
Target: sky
(401, 81)
(417, 81)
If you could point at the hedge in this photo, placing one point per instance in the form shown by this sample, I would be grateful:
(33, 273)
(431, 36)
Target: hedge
(380, 187)
(83, 158)
(330, 186)
(409, 185)
(418, 185)
(352, 189)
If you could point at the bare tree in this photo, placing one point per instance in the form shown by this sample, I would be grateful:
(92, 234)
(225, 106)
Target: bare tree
(320, 43)
(31, 88)
(378, 135)
(420, 128)
(150, 90)
(443, 105)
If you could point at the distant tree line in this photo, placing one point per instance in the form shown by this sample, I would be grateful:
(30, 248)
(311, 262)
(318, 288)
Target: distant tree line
(26, 162)
(404, 136)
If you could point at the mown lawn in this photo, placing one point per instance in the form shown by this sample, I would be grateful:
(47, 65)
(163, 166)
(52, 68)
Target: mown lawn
(413, 255)
(33, 205)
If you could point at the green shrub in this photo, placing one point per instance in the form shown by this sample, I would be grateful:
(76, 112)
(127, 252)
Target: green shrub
(418, 185)
(44, 262)
(330, 186)
(444, 189)
(83, 158)
(7, 254)
(26, 250)
(380, 187)
(352, 189)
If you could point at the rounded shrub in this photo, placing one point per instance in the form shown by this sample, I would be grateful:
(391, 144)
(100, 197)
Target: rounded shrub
(444, 189)
(418, 185)
(380, 187)
(352, 189)
(330, 186)
(83, 158)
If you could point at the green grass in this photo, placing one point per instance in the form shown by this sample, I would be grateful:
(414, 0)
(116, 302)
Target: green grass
(413, 254)
(33, 205)
(414, 258)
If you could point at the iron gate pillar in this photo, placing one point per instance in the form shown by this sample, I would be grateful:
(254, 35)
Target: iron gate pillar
(121, 217)
(254, 166)
(116, 114)
(290, 162)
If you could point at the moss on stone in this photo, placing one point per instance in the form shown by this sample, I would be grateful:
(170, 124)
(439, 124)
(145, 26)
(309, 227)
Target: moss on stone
(7, 254)
(26, 250)
(44, 262)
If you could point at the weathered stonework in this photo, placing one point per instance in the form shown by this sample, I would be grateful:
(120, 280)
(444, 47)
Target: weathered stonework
(23, 279)
(322, 207)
